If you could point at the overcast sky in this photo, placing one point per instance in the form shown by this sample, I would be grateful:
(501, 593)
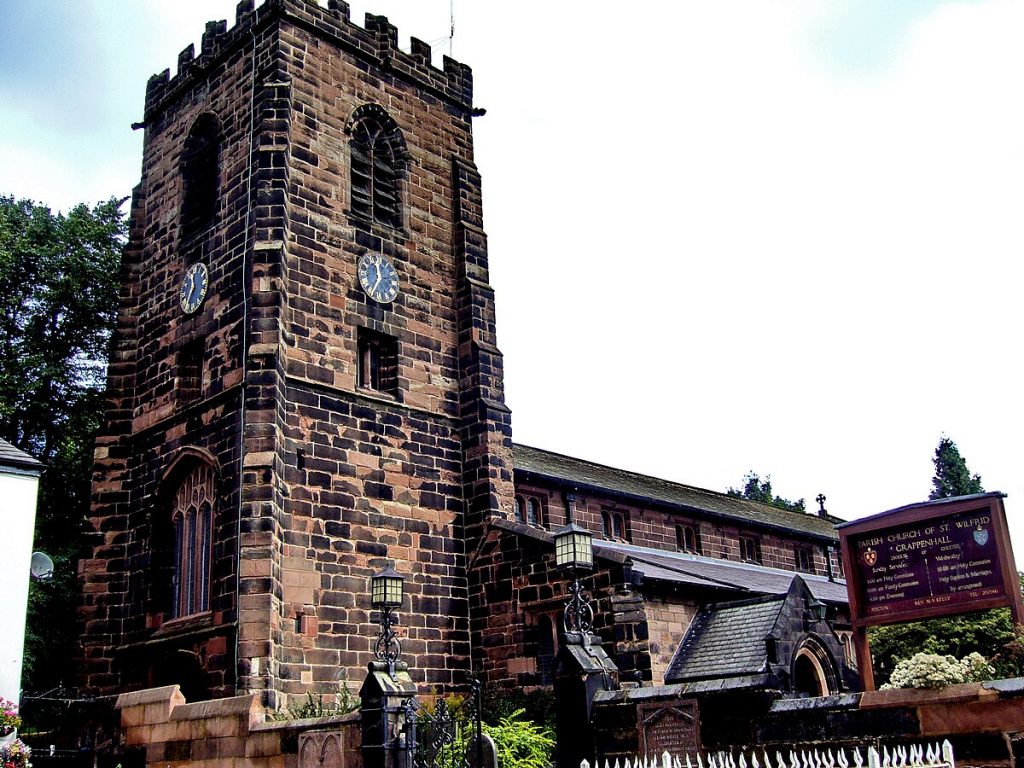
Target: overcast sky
(782, 236)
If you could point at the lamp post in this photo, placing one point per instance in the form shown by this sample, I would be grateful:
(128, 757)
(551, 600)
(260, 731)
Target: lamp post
(386, 590)
(574, 551)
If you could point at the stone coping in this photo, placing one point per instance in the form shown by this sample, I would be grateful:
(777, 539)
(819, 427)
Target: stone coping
(233, 707)
(912, 697)
(307, 723)
(166, 694)
(838, 701)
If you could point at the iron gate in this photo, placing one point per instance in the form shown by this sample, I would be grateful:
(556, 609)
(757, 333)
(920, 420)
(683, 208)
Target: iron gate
(448, 735)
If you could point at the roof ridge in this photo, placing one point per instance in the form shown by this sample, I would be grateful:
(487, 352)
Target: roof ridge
(705, 491)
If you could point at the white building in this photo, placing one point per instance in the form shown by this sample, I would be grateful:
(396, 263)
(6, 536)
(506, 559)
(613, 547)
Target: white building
(19, 484)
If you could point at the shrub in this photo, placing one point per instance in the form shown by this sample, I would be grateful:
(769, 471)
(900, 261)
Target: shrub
(537, 705)
(521, 743)
(930, 670)
(314, 706)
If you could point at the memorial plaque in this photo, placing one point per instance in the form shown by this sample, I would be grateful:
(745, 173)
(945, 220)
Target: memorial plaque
(929, 559)
(669, 726)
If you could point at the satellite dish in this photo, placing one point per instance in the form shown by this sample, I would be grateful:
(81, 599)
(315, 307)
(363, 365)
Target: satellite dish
(42, 566)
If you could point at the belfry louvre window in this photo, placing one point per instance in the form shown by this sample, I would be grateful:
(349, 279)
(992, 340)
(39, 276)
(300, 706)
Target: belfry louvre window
(200, 171)
(378, 159)
(192, 517)
(378, 362)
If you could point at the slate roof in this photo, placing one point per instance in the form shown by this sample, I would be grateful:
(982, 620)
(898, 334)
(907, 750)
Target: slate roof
(699, 571)
(586, 475)
(726, 641)
(11, 457)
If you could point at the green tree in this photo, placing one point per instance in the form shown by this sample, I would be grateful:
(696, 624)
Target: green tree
(990, 633)
(756, 489)
(59, 282)
(952, 478)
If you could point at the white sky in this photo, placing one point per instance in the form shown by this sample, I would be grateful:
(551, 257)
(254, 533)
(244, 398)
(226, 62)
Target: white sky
(724, 236)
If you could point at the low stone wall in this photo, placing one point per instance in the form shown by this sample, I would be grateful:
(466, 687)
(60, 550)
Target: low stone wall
(232, 733)
(983, 721)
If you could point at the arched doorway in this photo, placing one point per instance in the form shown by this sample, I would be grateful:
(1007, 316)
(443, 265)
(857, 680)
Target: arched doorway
(813, 671)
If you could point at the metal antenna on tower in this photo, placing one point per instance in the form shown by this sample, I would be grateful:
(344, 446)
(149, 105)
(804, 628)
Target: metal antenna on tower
(451, 27)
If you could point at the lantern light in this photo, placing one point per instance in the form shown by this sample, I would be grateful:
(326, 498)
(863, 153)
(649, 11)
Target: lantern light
(574, 548)
(386, 588)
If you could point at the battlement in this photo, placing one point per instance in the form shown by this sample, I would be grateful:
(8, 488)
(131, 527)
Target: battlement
(376, 42)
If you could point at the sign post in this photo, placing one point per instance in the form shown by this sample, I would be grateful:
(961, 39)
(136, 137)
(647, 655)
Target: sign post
(930, 559)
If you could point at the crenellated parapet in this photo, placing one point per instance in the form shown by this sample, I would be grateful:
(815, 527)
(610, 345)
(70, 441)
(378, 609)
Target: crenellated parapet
(376, 42)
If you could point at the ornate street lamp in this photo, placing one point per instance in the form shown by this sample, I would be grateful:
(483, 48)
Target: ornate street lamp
(574, 551)
(386, 589)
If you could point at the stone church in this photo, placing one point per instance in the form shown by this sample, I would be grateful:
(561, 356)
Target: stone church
(305, 387)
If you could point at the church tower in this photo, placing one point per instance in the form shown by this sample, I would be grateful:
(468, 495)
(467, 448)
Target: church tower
(304, 383)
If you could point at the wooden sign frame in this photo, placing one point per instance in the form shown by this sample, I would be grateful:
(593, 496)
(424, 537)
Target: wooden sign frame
(914, 529)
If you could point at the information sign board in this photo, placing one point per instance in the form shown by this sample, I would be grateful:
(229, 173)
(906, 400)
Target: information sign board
(930, 559)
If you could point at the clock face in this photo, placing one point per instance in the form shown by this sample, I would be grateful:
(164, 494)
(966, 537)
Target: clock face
(193, 288)
(378, 277)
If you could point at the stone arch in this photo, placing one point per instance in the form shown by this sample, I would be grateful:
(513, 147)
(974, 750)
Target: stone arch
(813, 670)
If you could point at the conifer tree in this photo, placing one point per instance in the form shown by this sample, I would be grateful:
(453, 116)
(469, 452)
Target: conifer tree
(952, 478)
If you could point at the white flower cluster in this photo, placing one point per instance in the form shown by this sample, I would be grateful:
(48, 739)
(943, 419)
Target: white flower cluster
(929, 670)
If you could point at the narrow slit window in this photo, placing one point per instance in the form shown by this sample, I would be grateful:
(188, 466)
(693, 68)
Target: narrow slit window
(377, 364)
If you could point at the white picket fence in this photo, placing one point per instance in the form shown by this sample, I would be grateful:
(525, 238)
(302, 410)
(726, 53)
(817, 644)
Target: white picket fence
(900, 756)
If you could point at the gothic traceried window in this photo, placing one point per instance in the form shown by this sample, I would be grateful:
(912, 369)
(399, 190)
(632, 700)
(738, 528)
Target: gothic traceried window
(192, 518)
(378, 158)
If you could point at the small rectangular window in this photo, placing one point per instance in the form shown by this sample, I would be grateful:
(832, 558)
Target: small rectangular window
(750, 549)
(804, 559)
(377, 366)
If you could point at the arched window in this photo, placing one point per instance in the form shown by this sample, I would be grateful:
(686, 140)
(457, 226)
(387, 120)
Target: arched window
(750, 549)
(192, 519)
(532, 512)
(687, 539)
(200, 173)
(618, 526)
(378, 157)
(606, 525)
(520, 514)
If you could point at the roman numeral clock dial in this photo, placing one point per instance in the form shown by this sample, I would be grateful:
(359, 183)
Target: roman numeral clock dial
(193, 288)
(378, 277)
